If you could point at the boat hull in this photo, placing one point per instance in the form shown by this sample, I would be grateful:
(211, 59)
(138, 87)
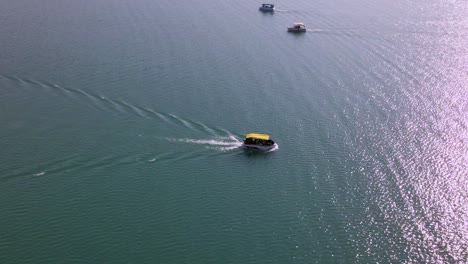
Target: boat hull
(264, 9)
(296, 30)
(259, 147)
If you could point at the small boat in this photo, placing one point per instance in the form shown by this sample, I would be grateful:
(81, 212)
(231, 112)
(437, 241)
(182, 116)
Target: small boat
(297, 27)
(258, 141)
(267, 7)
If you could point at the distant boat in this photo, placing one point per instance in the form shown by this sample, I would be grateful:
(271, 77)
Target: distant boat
(297, 27)
(267, 8)
(258, 141)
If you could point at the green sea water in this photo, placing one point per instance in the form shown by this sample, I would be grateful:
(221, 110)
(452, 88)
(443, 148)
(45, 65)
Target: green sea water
(121, 125)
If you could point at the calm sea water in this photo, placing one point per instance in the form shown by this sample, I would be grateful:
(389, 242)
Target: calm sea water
(121, 123)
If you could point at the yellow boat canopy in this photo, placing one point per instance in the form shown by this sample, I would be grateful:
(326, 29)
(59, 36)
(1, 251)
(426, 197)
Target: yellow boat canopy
(259, 136)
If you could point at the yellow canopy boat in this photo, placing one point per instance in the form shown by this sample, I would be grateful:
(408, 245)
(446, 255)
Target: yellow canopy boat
(259, 141)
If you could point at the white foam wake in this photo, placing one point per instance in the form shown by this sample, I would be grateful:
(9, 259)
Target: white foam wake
(221, 143)
(274, 148)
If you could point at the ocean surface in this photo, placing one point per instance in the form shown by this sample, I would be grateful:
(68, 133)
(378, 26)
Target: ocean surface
(121, 123)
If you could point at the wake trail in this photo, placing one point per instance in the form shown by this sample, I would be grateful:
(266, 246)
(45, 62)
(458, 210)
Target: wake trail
(105, 103)
(219, 143)
(218, 138)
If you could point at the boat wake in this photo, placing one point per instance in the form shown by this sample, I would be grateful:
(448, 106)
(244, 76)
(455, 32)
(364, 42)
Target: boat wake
(274, 148)
(220, 143)
(318, 30)
(213, 137)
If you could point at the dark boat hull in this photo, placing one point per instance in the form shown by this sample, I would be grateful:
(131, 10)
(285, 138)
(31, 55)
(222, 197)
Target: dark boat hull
(260, 147)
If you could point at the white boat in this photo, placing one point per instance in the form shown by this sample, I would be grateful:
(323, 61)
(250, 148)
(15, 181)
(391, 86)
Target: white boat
(267, 7)
(259, 141)
(297, 27)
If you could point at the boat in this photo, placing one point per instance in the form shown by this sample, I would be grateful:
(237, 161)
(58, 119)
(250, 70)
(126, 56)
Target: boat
(267, 7)
(258, 141)
(297, 27)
